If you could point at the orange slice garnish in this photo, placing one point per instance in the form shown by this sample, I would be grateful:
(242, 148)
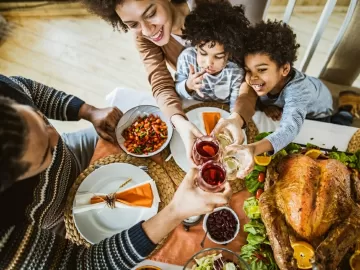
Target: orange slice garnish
(262, 160)
(313, 153)
(303, 253)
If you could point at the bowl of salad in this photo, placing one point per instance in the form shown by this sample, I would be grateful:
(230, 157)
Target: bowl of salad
(216, 259)
(143, 131)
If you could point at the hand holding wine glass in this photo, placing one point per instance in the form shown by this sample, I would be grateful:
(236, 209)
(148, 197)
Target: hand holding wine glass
(231, 127)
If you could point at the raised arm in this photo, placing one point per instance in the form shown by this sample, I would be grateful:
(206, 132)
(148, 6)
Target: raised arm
(30, 247)
(245, 103)
(52, 103)
(162, 83)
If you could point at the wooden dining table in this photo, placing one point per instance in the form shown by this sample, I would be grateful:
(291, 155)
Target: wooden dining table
(181, 245)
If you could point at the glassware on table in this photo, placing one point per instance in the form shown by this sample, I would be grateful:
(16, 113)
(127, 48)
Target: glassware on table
(224, 139)
(206, 148)
(212, 176)
(227, 256)
(236, 160)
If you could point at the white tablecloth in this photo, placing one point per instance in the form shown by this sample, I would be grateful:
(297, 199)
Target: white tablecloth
(325, 135)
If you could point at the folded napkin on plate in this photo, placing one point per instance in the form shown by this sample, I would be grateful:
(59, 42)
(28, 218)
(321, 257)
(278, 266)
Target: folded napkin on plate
(142, 195)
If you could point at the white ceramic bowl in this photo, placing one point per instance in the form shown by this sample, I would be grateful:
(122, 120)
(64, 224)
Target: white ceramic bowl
(131, 115)
(237, 229)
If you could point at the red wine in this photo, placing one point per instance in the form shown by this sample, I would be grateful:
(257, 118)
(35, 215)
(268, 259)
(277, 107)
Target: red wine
(213, 174)
(207, 149)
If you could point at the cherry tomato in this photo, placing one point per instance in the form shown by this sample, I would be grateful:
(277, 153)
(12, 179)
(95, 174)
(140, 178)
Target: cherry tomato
(259, 192)
(261, 177)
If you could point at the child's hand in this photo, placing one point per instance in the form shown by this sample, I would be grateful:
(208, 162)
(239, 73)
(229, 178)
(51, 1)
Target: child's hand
(273, 112)
(194, 82)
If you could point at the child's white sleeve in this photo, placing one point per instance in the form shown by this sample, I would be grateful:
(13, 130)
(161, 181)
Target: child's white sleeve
(236, 80)
(182, 72)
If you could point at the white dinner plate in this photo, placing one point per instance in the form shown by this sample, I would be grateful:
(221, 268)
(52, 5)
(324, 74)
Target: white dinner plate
(98, 224)
(129, 118)
(195, 116)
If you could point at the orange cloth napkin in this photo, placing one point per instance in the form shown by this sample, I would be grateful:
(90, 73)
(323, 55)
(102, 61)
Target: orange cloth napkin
(141, 195)
(210, 120)
(137, 196)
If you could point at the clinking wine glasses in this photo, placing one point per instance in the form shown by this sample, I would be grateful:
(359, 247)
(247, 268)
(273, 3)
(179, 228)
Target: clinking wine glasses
(219, 161)
(206, 148)
(207, 154)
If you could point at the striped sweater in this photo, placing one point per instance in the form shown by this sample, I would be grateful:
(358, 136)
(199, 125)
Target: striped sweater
(31, 208)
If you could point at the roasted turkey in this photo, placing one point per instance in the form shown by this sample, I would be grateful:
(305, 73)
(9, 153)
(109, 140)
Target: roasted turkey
(313, 201)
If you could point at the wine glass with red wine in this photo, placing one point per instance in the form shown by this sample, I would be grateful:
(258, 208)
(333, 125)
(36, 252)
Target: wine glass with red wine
(206, 148)
(212, 176)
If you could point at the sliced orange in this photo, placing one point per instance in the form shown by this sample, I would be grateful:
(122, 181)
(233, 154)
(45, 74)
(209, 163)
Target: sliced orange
(262, 160)
(303, 253)
(355, 261)
(313, 153)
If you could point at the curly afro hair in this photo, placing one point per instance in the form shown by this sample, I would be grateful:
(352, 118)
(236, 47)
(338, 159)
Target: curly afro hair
(274, 38)
(218, 22)
(106, 10)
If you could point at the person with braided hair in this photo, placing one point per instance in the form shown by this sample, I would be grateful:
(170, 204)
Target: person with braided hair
(37, 169)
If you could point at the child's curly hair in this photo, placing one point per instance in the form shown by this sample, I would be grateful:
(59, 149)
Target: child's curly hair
(274, 38)
(106, 10)
(218, 22)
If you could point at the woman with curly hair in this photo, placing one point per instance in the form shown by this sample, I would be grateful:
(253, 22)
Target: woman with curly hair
(205, 71)
(285, 93)
(158, 26)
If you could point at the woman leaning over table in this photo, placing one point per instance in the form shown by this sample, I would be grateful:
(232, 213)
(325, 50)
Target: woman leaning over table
(157, 25)
(37, 170)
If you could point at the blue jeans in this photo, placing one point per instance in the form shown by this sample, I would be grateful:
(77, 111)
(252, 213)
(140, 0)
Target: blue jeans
(82, 144)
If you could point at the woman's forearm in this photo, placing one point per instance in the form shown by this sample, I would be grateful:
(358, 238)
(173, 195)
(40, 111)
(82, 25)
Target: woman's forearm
(162, 224)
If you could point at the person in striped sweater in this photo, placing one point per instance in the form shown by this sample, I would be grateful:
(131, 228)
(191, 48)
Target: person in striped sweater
(37, 170)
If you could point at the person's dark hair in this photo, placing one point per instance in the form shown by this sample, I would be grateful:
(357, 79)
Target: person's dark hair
(13, 138)
(106, 10)
(218, 22)
(274, 38)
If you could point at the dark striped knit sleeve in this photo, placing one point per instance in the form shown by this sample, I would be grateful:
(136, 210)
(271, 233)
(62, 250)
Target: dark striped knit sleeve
(52, 103)
(29, 247)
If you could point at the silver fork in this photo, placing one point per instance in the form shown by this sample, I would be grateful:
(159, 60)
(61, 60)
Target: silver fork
(144, 168)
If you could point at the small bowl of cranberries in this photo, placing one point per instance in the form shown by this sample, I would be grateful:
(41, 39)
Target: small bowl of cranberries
(222, 225)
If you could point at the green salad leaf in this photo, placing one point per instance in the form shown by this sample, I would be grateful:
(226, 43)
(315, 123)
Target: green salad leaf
(251, 180)
(257, 232)
(350, 160)
(205, 263)
(251, 208)
(259, 257)
(310, 146)
(255, 227)
(257, 252)
(261, 136)
(293, 148)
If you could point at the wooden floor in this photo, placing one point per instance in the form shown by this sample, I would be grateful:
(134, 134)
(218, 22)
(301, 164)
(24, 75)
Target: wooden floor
(85, 57)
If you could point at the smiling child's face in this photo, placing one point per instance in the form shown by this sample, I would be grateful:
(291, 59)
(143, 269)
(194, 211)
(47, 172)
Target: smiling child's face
(212, 58)
(264, 75)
